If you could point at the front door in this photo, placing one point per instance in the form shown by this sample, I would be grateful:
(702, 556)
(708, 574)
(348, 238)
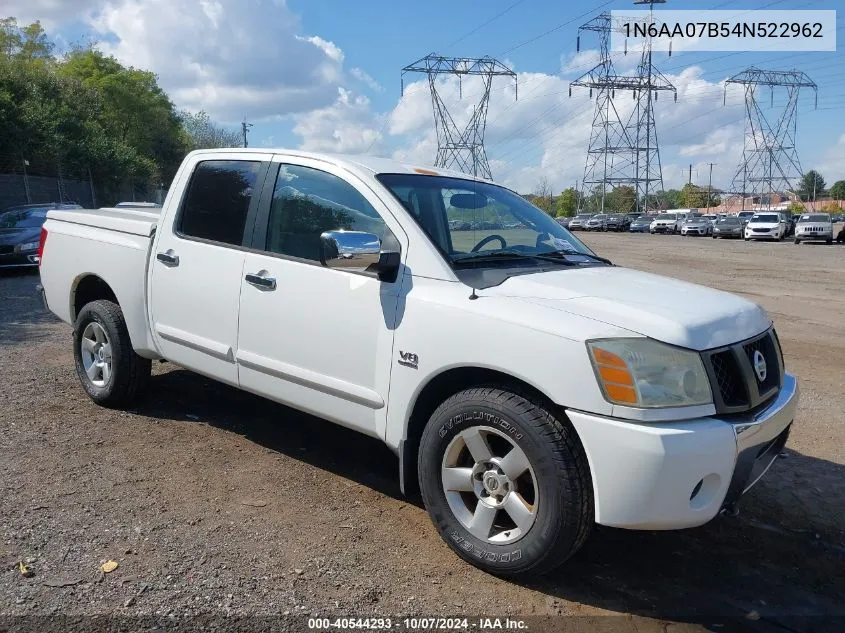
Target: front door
(197, 265)
(319, 339)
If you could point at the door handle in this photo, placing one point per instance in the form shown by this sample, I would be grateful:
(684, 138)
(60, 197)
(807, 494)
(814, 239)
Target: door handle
(168, 258)
(260, 281)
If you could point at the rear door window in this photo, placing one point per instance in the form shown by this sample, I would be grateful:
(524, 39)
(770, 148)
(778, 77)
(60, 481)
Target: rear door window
(217, 202)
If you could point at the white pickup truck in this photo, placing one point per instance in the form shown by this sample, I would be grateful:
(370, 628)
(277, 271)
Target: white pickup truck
(529, 387)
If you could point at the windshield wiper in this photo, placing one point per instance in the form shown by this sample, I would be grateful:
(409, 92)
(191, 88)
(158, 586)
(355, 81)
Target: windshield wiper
(544, 257)
(565, 253)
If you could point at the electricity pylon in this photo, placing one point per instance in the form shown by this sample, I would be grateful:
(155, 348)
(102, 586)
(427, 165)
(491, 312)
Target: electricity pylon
(626, 153)
(769, 162)
(456, 148)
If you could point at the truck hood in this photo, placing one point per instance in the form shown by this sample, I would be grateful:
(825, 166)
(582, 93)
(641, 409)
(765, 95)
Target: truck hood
(665, 309)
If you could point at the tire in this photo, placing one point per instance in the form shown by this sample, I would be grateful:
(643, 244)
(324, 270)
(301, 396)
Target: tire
(829, 241)
(797, 241)
(556, 484)
(127, 375)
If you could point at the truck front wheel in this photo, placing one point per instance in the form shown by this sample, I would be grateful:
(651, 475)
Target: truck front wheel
(110, 371)
(506, 483)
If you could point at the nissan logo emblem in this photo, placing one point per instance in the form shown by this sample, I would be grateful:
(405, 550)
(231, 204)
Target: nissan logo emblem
(760, 366)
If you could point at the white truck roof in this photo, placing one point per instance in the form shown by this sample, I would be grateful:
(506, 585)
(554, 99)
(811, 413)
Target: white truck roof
(355, 163)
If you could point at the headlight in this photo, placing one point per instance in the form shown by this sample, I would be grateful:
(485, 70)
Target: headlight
(641, 372)
(28, 246)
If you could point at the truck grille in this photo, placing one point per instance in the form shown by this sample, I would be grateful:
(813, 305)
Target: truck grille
(6, 249)
(736, 384)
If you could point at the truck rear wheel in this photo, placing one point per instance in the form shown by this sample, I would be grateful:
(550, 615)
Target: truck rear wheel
(110, 371)
(506, 483)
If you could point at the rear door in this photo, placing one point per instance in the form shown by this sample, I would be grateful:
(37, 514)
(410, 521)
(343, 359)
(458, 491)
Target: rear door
(197, 264)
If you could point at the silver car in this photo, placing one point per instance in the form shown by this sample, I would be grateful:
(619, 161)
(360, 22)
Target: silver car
(696, 225)
(579, 221)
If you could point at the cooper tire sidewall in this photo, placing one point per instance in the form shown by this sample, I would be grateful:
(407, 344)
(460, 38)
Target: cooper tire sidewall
(532, 547)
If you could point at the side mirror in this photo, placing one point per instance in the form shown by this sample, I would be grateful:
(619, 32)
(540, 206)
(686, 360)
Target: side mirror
(357, 251)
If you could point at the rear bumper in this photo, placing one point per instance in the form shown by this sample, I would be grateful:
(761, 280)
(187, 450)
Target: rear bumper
(675, 475)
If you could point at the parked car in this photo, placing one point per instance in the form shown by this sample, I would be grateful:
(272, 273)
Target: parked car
(790, 220)
(666, 223)
(618, 222)
(564, 222)
(728, 227)
(336, 297)
(597, 223)
(745, 216)
(813, 227)
(640, 224)
(20, 228)
(711, 217)
(765, 226)
(579, 221)
(696, 225)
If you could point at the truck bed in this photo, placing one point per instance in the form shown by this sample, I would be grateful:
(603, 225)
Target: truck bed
(134, 221)
(110, 246)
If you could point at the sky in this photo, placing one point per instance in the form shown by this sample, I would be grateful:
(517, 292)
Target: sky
(324, 75)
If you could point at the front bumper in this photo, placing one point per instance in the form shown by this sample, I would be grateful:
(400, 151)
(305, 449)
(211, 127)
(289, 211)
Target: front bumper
(814, 236)
(26, 259)
(671, 475)
(694, 231)
(663, 229)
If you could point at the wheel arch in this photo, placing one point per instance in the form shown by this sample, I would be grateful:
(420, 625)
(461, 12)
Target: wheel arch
(86, 288)
(440, 387)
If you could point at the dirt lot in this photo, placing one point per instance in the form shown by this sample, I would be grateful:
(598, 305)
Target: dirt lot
(217, 502)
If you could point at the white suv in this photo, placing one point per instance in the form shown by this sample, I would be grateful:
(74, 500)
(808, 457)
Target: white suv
(768, 225)
(814, 226)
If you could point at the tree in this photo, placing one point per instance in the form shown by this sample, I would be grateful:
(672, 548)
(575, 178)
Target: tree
(796, 207)
(692, 197)
(567, 203)
(621, 199)
(203, 133)
(811, 185)
(543, 195)
(837, 191)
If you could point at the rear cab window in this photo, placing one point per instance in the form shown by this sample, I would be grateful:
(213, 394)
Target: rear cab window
(218, 200)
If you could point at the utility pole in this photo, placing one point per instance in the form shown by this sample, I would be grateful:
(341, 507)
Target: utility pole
(690, 174)
(710, 184)
(815, 179)
(245, 127)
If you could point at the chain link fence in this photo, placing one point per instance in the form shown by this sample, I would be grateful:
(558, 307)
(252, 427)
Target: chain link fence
(46, 180)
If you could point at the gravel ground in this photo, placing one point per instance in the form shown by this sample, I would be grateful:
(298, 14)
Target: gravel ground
(216, 502)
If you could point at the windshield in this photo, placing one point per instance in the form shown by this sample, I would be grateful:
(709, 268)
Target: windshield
(467, 219)
(729, 221)
(768, 217)
(583, 216)
(744, 214)
(23, 219)
(666, 216)
(600, 216)
(815, 217)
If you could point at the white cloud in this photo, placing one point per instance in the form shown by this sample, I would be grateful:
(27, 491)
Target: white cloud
(365, 79)
(832, 164)
(223, 57)
(346, 127)
(50, 12)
